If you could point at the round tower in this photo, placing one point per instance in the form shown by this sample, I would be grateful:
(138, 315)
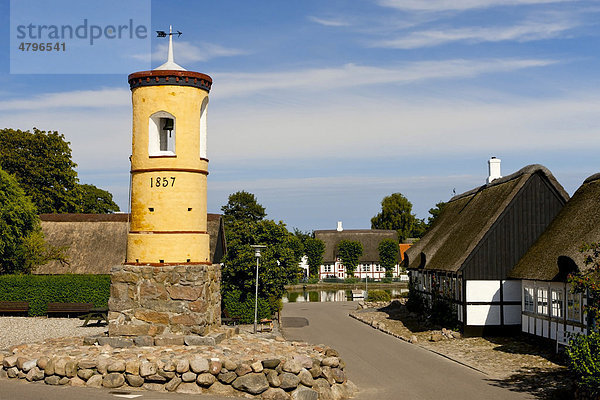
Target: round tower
(168, 284)
(168, 167)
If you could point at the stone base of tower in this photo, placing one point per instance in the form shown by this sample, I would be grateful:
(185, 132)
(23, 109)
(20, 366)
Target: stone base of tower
(174, 299)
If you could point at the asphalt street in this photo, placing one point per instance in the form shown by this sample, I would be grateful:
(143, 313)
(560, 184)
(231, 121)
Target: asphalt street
(384, 367)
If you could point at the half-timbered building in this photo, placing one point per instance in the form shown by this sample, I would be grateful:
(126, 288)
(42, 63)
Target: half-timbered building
(480, 235)
(549, 308)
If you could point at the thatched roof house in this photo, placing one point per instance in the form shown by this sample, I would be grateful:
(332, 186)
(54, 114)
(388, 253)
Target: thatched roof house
(556, 253)
(477, 239)
(482, 233)
(369, 238)
(96, 242)
(550, 309)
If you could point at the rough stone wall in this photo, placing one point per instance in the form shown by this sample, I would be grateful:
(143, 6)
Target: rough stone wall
(179, 299)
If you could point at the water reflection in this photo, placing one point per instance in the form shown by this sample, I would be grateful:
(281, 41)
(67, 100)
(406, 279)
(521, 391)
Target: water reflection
(315, 296)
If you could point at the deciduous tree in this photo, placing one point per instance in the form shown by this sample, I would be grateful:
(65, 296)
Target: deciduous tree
(314, 249)
(388, 255)
(243, 206)
(349, 252)
(96, 200)
(396, 213)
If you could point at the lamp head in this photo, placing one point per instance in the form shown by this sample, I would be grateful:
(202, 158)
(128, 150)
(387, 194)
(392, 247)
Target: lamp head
(257, 248)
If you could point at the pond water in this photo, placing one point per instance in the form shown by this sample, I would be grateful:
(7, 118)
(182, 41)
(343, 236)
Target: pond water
(316, 296)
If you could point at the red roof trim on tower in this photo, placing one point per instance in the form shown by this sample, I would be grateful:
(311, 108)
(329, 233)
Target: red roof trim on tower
(161, 77)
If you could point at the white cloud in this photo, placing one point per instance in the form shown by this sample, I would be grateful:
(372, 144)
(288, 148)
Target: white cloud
(351, 75)
(525, 32)
(328, 21)
(443, 5)
(109, 97)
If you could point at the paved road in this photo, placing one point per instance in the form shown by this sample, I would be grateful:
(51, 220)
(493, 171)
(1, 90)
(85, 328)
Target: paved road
(384, 367)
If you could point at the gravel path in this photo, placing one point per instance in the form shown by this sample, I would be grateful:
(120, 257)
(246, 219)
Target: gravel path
(18, 330)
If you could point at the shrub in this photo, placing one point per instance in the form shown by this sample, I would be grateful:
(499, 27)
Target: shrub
(351, 280)
(378, 295)
(386, 280)
(244, 308)
(39, 290)
(312, 280)
(584, 361)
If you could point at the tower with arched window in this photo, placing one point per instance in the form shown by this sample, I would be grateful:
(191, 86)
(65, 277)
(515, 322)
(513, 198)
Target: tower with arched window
(168, 283)
(168, 167)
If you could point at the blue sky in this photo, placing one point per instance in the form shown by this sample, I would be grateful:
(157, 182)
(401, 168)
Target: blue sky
(321, 108)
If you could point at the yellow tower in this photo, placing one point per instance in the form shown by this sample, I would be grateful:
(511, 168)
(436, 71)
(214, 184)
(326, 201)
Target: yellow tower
(168, 167)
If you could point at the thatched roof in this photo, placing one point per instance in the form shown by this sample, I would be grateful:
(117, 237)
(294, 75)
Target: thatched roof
(467, 218)
(96, 242)
(369, 238)
(556, 253)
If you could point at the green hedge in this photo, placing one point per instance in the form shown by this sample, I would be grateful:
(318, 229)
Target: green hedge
(39, 290)
(378, 295)
(244, 308)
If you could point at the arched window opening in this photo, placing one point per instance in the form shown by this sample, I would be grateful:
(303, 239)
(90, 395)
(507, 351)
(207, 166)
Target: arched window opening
(203, 132)
(161, 134)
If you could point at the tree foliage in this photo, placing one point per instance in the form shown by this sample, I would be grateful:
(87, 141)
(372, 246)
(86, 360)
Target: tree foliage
(41, 163)
(278, 262)
(434, 213)
(97, 201)
(584, 351)
(22, 245)
(314, 249)
(396, 213)
(349, 252)
(243, 206)
(388, 255)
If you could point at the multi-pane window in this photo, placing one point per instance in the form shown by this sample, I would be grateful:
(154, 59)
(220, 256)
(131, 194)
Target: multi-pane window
(542, 301)
(366, 268)
(574, 306)
(528, 304)
(327, 268)
(558, 303)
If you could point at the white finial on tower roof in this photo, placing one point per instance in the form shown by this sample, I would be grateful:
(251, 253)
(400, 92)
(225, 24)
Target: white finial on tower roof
(170, 64)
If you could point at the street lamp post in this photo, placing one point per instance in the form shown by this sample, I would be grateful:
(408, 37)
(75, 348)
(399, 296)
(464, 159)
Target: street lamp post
(257, 248)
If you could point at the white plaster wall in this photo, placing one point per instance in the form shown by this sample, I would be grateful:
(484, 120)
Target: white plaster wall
(511, 290)
(203, 128)
(512, 314)
(483, 315)
(483, 291)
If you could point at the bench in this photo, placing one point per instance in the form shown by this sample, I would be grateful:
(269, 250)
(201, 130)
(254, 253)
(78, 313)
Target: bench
(69, 308)
(14, 307)
(98, 314)
(226, 319)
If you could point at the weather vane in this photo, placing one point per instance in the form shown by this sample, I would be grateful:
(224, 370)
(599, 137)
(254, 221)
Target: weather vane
(171, 33)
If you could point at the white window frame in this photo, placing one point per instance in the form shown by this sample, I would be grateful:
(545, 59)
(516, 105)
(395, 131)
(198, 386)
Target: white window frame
(574, 306)
(558, 303)
(528, 299)
(154, 132)
(542, 301)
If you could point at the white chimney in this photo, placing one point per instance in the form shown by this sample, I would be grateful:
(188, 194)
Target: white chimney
(339, 227)
(494, 169)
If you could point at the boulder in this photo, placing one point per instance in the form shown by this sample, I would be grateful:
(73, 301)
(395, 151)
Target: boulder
(305, 377)
(134, 380)
(271, 363)
(113, 380)
(226, 377)
(189, 388)
(273, 378)
(182, 366)
(253, 383)
(289, 381)
(243, 369)
(85, 374)
(292, 366)
(199, 365)
(35, 374)
(54, 379)
(304, 393)
(207, 379)
(147, 368)
(94, 381)
(188, 376)
(172, 385)
(275, 394)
